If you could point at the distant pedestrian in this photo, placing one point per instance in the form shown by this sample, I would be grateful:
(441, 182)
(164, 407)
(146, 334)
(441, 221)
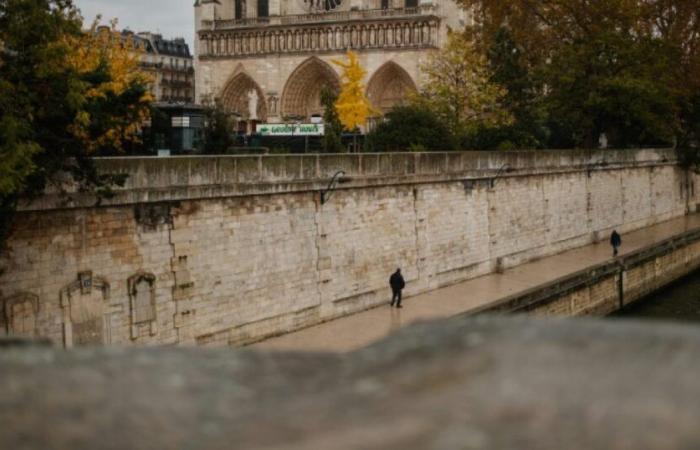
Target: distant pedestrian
(615, 241)
(397, 284)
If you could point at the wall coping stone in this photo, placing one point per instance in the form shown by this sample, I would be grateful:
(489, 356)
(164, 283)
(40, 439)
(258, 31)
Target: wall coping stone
(172, 179)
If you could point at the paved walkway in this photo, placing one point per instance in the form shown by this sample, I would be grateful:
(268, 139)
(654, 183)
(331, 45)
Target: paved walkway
(359, 330)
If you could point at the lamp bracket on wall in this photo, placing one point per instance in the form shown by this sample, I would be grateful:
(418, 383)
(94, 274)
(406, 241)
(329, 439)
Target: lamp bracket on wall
(339, 177)
(505, 168)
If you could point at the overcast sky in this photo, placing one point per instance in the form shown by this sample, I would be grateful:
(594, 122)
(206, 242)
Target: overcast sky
(172, 18)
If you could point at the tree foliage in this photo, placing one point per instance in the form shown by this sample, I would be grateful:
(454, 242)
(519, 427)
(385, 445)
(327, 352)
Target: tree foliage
(353, 107)
(65, 96)
(626, 68)
(458, 88)
(410, 127)
(509, 69)
(333, 128)
(619, 86)
(115, 102)
(218, 129)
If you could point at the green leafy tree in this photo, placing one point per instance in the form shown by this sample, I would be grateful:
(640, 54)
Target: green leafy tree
(333, 129)
(410, 128)
(522, 99)
(218, 129)
(626, 68)
(458, 88)
(613, 84)
(65, 96)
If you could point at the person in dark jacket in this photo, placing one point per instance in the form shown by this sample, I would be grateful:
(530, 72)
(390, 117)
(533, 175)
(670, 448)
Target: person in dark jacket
(615, 241)
(397, 284)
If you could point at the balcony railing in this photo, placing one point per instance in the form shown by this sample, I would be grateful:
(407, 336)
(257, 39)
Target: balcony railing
(165, 67)
(324, 17)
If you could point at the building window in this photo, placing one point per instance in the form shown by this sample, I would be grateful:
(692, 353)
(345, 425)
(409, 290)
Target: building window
(411, 3)
(385, 4)
(240, 9)
(263, 8)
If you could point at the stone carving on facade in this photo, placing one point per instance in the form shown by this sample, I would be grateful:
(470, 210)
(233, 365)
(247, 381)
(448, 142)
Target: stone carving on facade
(419, 32)
(389, 86)
(86, 311)
(272, 101)
(18, 315)
(142, 301)
(301, 97)
(236, 97)
(321, 5)
(252, 105)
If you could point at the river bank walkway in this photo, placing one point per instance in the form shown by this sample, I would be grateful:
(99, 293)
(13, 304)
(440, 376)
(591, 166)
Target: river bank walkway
(359, 330)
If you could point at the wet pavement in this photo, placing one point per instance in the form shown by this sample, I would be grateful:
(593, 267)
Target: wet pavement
(359, 330)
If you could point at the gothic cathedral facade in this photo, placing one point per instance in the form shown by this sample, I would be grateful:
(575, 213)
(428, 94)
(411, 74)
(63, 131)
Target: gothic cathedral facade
(268, 60)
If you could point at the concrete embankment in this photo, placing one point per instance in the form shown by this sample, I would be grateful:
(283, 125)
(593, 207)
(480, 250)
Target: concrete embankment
(608, 287)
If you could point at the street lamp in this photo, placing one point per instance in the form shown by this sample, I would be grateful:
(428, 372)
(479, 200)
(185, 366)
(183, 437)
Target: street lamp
(505, 168)
(339, 177)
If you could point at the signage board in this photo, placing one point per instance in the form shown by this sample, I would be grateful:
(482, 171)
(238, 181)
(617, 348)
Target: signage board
(290, 129)
(180, 122)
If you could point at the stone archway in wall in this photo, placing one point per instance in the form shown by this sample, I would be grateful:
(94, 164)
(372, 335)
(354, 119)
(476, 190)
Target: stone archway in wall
(389, 86)
(302, 92)
(236, 97)
(18, 315)
(86, 311)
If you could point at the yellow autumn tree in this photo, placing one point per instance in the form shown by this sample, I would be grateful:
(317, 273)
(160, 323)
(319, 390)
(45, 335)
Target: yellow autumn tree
(353, 107)
(109, 64)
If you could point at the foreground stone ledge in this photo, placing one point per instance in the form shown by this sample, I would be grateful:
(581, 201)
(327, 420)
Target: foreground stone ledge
(482, 382)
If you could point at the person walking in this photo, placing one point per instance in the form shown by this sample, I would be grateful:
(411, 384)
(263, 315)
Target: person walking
(397, 283)
(615, 241)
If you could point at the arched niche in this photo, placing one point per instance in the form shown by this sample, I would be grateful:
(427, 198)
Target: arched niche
(142, 302)
(302, 92)
(236, 97)
(18, 315)
(86, 311)
(389, 86)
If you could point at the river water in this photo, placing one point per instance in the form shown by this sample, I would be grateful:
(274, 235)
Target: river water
(678, 302)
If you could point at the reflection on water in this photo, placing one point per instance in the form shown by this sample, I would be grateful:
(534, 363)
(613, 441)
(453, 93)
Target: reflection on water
(680, 301)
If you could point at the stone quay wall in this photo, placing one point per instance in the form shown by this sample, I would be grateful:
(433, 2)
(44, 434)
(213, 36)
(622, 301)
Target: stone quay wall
(230, 250)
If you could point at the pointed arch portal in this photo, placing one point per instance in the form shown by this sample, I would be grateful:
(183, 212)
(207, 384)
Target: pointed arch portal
(389, 87)
(302, 93)
(235, 96)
